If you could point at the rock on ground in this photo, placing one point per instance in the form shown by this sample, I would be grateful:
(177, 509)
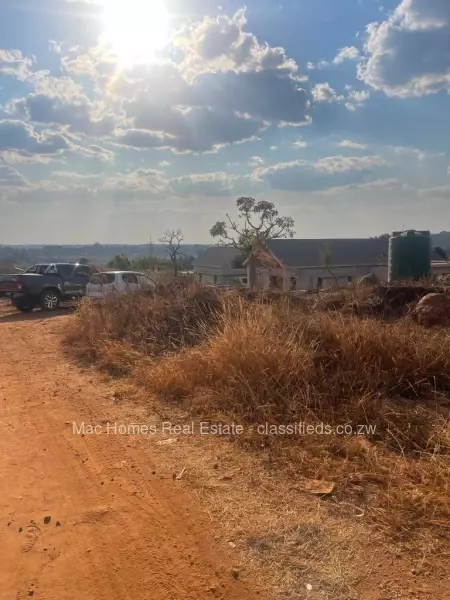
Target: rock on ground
(433, 309)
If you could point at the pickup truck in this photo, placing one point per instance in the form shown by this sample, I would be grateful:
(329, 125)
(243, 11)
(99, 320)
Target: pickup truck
(46, 285)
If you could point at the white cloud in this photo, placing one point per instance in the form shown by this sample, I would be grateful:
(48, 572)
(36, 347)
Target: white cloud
(18, 136)
(221, 44)
(203, 184)
(256, 161)
(136, 184)
(189, 130)
(347, 53)
(352, 145)
(329, 172)
(11, 178)
(300, 143)
(323, 92)
(359, 96)
(409, 53)
(420, 155)
(13, 157)
(14, 64)
(61, 101)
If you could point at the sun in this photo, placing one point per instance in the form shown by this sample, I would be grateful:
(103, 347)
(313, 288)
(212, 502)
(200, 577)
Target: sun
(135, 29)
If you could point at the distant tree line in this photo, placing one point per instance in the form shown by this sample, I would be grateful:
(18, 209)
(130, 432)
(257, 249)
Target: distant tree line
(176, 259)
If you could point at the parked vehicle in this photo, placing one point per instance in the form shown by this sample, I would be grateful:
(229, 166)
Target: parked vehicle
(46, 285)
(111, 283)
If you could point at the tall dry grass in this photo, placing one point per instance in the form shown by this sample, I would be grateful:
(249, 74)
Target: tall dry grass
(282, 363)
(118, 331)
(272, 363)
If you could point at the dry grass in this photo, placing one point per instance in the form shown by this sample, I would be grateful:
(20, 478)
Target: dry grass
(120, 330)
(280, 362)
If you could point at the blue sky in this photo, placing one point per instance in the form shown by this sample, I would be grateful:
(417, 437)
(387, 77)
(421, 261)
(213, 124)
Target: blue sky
(122, 118)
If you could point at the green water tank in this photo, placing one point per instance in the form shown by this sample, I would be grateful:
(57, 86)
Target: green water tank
(409, 255)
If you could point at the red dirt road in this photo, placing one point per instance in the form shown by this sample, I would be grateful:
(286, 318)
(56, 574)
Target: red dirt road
(117, 530)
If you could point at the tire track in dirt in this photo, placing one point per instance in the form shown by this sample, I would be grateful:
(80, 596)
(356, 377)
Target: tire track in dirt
(115, 530)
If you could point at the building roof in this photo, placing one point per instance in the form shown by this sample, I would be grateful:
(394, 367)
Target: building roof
(308, 253)
(217, 256)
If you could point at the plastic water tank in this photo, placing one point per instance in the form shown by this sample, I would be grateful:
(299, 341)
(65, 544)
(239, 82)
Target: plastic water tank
(409, 255)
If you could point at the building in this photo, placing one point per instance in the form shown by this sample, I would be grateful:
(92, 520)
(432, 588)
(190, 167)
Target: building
(300, 264)
(220, 265)
(311, 264)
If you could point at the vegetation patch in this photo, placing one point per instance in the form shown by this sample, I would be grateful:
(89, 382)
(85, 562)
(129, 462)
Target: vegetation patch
(382, 387)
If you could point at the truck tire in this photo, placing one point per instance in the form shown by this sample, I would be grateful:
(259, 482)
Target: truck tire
(49, 300)
(25, 306)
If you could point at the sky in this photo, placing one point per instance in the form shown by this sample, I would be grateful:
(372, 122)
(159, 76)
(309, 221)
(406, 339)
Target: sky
(120, 119)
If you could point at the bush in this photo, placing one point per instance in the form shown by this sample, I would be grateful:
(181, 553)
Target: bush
(175, 317)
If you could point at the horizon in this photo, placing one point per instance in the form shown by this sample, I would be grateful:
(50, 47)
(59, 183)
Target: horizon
(187, 243)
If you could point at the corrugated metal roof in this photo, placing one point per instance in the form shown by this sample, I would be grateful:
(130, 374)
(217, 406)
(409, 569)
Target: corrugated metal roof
(307, 253)
(217, 256)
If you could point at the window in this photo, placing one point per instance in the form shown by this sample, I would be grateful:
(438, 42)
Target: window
(293, 283)
(237, 264)
(64, 271)
(145, 281)
(275, 282)
(215, 279)
(33, 269)
(103, 278)
(319, 283)
(51, 270)
(350, 278)
(129, 278)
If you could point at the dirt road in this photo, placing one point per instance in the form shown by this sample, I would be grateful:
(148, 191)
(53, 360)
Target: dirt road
(117, 529)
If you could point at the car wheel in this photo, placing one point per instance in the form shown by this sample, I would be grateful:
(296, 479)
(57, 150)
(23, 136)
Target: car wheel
(24, 306)
(50, 300)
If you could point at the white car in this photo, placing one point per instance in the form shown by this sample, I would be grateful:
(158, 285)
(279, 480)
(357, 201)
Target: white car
(110, 283)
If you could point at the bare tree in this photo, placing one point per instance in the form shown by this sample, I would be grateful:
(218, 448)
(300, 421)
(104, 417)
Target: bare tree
(256, 223)
(173, 239)
(326, 259)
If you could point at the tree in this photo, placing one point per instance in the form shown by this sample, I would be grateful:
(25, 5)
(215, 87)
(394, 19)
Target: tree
(83, 261)
(121, 262)
(257, 222)
(326, 258)
(173, 239)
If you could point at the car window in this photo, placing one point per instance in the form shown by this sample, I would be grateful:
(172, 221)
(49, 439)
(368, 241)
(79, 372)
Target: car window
(65, 270)
(102, 278)
(129, 278)
(40, 269)
(145, 281)
(33, 269)
(62, 270)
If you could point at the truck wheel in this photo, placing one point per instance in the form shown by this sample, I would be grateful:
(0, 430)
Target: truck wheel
(26, 306)
(49, 300)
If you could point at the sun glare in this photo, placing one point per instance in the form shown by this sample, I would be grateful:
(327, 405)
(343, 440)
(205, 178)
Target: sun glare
(135, 29)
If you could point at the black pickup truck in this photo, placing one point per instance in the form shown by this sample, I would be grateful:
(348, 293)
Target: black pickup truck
(46, 285)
